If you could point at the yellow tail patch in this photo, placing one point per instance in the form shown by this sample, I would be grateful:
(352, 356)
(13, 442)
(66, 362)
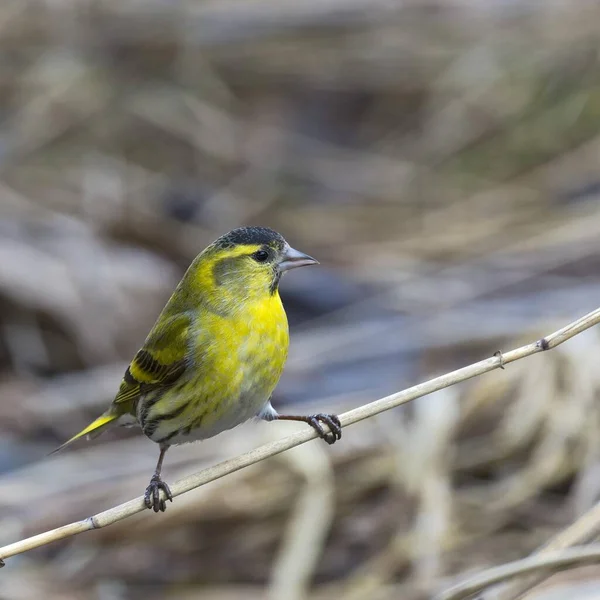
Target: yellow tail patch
(95, 426)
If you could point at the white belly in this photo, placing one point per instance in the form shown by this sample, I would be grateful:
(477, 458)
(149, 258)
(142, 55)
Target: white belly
(239, 413)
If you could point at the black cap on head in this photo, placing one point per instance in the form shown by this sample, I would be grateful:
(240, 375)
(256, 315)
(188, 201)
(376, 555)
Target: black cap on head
(252, 236)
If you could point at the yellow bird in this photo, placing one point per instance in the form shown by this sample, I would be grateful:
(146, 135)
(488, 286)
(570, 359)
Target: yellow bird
(215, 353)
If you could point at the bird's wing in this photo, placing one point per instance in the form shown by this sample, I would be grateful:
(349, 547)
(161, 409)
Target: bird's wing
(159, 363)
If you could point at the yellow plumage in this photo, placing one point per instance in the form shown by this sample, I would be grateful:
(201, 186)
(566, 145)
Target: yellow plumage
(94, 427)
(216, 352)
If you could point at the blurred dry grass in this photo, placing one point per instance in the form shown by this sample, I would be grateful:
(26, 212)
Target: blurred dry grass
(441, 162)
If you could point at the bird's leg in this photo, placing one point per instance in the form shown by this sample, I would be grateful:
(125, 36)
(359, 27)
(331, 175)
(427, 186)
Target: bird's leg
(332, 421)
(152, 496)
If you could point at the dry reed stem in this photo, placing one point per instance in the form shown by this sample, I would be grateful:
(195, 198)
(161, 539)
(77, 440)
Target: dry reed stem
(552, 561)
(583, 530)
(309, 524)
(366, 411)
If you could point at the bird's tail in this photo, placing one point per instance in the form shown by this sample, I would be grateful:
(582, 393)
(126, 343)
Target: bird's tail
(96, 427)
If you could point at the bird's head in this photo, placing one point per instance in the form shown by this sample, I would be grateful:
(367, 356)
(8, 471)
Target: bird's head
(248, 263)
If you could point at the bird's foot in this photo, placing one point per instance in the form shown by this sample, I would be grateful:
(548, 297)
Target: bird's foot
(153, 498)
(332, 421)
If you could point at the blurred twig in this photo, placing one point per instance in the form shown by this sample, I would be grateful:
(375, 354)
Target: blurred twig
(137, 505)
(547, 562)
(583, 530)
(309, 525)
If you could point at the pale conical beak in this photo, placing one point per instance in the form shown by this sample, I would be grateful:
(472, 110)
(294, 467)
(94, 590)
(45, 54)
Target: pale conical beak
(293, 258)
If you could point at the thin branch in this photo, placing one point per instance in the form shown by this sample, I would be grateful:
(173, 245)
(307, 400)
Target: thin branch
(186, 484)
(553, 561)
(585, 529)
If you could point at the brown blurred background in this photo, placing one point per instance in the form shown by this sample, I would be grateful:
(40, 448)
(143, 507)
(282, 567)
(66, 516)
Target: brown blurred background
(440, 159)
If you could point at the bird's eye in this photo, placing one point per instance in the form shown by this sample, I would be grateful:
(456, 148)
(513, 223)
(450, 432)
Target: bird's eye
(260, 256)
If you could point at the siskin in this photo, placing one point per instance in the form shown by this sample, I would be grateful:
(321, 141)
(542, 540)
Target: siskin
(216, 352)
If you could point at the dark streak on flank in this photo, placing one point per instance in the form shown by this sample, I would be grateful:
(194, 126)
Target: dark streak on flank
(166, 439)
(543, 344)
(172, 415)
(151, 426)
(197, 422)
(147, 405)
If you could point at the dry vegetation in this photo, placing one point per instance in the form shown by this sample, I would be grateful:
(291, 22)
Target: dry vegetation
(441, 162)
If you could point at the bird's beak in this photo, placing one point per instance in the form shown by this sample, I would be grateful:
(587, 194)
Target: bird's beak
(293, 258)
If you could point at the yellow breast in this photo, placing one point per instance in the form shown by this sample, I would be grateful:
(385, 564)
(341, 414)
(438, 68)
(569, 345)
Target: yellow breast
(239, 359)
(250, 349)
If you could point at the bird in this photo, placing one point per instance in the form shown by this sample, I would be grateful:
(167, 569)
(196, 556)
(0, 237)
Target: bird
(215, 354)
